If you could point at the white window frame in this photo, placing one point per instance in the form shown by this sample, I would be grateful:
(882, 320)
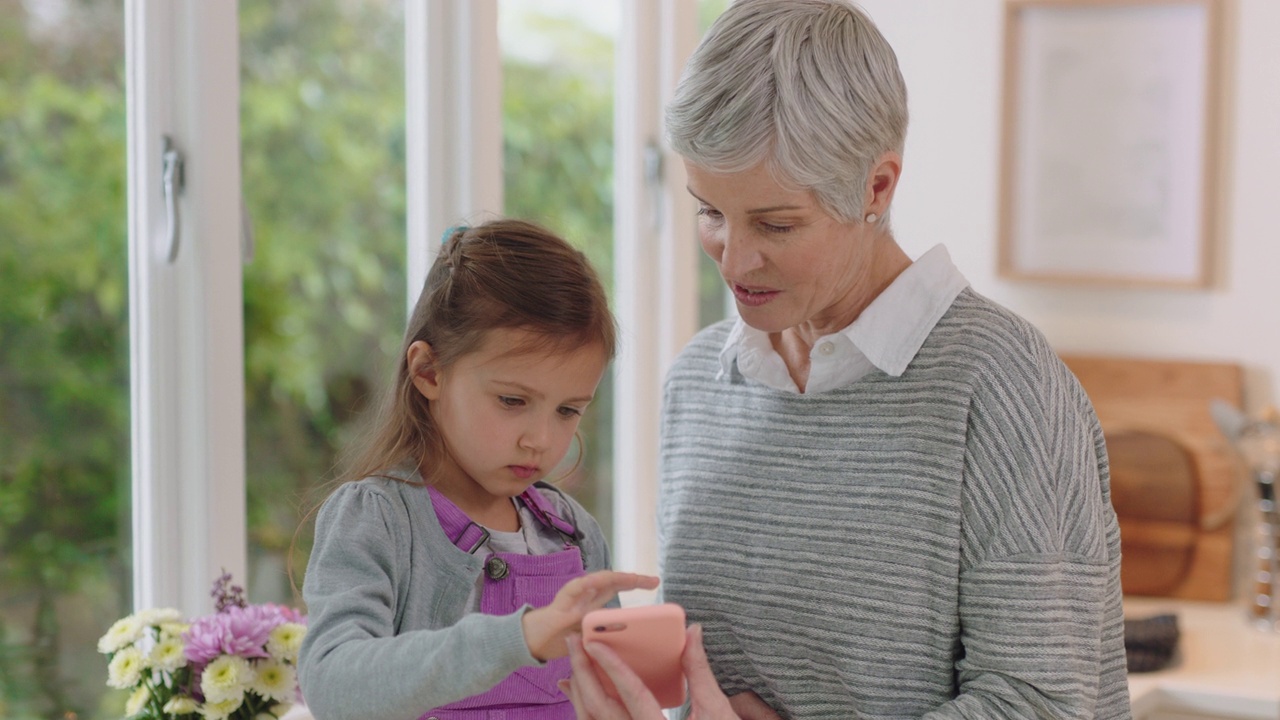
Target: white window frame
(186, 316)
(453, 115)
(655, 261)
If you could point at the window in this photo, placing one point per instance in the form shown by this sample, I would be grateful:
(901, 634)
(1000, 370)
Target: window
(322, 123)
(64, 355)
(715, 302)
(158, 384)
(557, 113)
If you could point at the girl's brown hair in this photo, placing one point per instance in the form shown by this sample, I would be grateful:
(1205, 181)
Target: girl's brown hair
(504, 274)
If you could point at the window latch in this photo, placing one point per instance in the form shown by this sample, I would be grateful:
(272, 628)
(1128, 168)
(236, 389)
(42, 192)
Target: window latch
(171, 184)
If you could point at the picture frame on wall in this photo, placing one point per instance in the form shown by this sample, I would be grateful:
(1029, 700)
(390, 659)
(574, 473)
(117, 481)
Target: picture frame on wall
(1110, 141)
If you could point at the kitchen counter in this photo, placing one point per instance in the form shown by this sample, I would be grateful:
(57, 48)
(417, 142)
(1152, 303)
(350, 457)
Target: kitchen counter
(1224, 668)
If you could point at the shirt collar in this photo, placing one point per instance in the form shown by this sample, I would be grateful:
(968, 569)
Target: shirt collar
(888, 333)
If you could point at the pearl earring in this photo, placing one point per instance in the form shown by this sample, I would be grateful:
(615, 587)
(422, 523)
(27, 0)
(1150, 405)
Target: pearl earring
(871, 217)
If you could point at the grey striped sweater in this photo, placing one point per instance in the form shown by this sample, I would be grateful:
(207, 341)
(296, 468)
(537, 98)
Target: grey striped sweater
(940, 544)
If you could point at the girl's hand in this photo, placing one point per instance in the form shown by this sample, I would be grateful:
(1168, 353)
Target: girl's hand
(591, 702)
(546, 628)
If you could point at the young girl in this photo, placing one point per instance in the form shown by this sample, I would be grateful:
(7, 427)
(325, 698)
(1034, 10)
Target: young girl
(445, 577)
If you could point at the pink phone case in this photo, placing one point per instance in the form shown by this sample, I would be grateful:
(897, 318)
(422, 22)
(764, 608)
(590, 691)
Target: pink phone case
(650, 639)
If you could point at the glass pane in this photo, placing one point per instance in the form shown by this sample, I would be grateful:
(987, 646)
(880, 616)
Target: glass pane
(557, 113)
(714, 301)
(64, 355)
(322, 124)
(708, 11)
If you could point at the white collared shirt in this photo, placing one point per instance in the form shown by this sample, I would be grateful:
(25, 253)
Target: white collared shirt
(886, 335)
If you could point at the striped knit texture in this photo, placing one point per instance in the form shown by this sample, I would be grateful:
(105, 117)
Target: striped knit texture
(940, 544)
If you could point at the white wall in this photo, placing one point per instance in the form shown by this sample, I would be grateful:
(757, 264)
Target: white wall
(951, 56)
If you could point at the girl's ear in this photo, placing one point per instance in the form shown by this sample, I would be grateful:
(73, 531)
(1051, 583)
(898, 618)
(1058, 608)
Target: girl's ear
(422, 369)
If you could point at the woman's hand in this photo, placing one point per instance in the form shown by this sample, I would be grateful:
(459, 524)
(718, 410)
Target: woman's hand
(546, 628)
(749, 706)
(634, 701)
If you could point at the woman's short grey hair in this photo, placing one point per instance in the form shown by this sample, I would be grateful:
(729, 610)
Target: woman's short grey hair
(809, 86)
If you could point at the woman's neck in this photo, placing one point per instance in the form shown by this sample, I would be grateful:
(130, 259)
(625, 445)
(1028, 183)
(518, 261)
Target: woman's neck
(795, 344)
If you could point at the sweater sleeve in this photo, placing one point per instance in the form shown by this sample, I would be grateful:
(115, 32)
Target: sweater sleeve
(1040, 603)
(353, 664)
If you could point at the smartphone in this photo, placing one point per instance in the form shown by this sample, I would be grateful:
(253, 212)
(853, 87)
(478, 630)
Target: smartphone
(650, 639)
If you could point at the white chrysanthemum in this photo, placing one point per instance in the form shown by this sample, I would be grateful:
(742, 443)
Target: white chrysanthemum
(157, 616)
(286, 640)
(226, 678)
(181, 705)
(275, 680)
(173, 629)
(124, 631)
(137, 701)
(125, 669)
(276, 712)
(168, 654)
(220, 710)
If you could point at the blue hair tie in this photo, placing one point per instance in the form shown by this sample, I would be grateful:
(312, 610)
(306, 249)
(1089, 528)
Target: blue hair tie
(448, 233)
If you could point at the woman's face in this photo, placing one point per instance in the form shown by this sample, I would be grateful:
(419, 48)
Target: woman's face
(788, 263)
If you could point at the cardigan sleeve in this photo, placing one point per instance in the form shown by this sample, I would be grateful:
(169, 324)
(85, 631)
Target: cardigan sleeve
(1041, 620)
(353, 664)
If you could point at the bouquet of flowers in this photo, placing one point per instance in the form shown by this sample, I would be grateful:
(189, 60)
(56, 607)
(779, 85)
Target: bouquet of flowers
(236, 663)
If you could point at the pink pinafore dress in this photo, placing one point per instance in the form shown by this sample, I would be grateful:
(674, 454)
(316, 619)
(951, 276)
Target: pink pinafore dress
(510, 581)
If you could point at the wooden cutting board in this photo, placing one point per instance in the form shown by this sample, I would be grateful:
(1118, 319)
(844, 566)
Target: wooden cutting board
(1175, 480)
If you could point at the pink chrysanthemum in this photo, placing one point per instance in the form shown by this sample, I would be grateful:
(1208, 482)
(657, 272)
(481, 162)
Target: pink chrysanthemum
(284, 613)
(235, 631)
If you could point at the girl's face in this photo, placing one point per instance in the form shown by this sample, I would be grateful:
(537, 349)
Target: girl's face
(787, 261)
(507, 418)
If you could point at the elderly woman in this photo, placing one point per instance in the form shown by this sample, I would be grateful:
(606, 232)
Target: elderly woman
(883, 495)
